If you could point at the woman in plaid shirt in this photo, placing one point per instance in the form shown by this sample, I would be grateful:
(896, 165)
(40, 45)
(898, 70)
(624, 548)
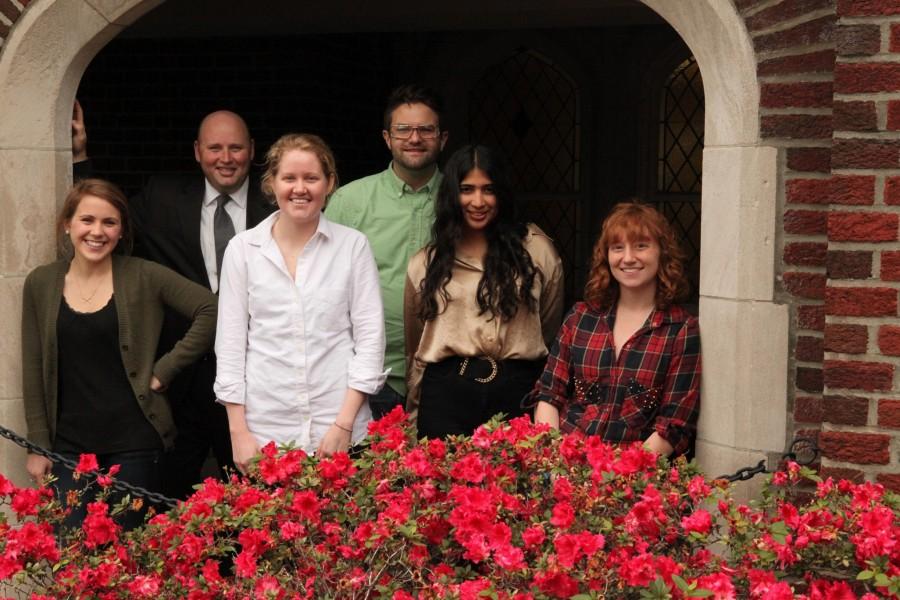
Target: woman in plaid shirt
(626, 362)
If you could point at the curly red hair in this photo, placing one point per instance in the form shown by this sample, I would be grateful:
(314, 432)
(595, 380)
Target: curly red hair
(632, 221)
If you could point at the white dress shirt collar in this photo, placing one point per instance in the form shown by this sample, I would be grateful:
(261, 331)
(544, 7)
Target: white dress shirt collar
(239, 197)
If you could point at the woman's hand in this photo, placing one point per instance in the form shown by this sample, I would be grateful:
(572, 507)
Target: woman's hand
(336, 439)
(243, 448)
(156, 385)
(38, 467)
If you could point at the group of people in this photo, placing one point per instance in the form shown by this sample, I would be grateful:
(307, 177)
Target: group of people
(410, 287)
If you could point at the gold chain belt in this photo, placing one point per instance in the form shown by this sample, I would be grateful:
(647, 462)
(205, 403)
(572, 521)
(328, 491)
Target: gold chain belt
(489, 378)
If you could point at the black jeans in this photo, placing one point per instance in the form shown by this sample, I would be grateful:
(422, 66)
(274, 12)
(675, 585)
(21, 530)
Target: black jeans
(137, 467)
(456, 404)
(384, 401)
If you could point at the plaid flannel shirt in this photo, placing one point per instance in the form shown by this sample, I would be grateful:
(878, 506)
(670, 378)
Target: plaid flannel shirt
(653, 386)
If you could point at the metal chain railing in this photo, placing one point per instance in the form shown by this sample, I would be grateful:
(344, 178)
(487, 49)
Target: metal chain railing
(117, 485)
(802, 451)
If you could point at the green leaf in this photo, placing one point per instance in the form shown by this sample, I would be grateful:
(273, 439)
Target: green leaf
(681, 583)
(864, 575)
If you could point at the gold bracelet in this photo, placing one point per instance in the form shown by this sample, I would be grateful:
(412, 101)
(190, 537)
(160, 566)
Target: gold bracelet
(342, 428)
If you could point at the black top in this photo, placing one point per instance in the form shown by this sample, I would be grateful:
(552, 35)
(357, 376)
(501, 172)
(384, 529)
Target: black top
(98, 412)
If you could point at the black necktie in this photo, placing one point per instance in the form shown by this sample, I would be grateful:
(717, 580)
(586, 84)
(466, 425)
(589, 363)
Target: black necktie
(223, 229)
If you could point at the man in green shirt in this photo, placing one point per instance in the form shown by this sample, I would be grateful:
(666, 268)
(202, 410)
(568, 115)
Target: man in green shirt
(395, 209)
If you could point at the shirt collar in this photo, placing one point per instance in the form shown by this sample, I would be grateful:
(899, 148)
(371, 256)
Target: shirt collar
(239, 197)
(262, 233)
(401, 187)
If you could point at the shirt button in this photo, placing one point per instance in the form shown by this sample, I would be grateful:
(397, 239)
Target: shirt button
(152, 416)
(133, 374)
(125, 347)
(141, 398)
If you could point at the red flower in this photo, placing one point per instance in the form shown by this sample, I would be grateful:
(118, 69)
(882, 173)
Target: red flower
(556, 585)
(469, 468)
(698, 522)
(87, 463)
(562, 516)
(533, 536)
(98, 527)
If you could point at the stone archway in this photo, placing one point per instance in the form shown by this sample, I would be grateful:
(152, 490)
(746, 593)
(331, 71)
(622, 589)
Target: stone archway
(745, 333)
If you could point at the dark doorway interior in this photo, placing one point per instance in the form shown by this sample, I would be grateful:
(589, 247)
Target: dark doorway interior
(575, 103)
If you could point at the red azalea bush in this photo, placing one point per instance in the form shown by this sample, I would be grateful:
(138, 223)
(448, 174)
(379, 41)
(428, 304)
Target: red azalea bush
(517, 511)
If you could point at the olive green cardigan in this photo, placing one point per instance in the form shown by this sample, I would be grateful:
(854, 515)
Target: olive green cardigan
(142, 290)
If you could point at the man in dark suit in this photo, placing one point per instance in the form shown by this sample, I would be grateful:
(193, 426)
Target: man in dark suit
(184, 223)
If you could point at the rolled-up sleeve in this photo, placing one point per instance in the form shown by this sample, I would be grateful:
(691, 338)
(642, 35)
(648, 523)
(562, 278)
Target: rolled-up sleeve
(680, 406)
(553, 385)
(365, 371)
(232, 327)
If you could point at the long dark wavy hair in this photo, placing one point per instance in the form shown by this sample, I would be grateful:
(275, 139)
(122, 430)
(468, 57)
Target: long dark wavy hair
(508, 269)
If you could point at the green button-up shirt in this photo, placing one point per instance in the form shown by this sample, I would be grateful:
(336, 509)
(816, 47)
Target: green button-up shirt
(397, 220)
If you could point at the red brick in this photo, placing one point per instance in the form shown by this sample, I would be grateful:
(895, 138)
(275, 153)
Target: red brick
(838, 473)
(845, 410)
(800, 95)
(808, 409)
(805, 254)
(855, 153)
(889, 413)
(797, 126)
(890, 481)
(846, 339)
(809, 349)
(892, 190)
(805, 285)
(810, 380)
(890, 265)
(808, 191)
(861, 302)
(821, 61)
(858, 375)
(867, 8)
(893, 115)
(859, 448)
(852, 189)
(816, 160)
(784, 11)
(805, 34)
(889, 340)
(895, 38)
(848, 264)
(862, 227)
(811, 316)
(866, 78)
(857, 40)
(855, 116)
(805, 222)
(9, 9)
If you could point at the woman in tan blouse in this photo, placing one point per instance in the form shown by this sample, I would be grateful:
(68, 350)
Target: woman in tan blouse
(482, 303)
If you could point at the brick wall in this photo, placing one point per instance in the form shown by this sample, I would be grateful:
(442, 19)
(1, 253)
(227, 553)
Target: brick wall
(830, 96)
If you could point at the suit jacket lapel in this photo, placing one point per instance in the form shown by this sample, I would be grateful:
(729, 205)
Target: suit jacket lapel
(258, 206)
(190, 204)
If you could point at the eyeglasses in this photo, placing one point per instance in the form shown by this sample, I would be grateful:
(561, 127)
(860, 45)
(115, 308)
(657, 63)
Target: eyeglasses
(404, 132)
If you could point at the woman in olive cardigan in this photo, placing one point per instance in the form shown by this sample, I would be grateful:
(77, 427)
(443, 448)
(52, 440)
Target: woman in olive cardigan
(90, 325)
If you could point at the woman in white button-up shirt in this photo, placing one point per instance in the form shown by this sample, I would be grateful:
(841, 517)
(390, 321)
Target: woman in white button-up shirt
(300, 339)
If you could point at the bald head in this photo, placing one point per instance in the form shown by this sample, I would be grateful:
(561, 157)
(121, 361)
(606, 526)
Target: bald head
(224, 150)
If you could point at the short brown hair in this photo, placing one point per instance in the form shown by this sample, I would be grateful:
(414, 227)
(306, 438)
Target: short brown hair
(298, 141)
(633, 220)
(101, 189)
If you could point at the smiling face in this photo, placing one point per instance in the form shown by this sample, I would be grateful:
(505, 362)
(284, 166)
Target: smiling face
(477, 200)
(415, 154)
(94, 229)
(300, 186)
(634, 262)
(224, 150)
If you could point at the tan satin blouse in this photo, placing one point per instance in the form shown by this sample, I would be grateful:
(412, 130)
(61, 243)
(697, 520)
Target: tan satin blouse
(459, 329)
